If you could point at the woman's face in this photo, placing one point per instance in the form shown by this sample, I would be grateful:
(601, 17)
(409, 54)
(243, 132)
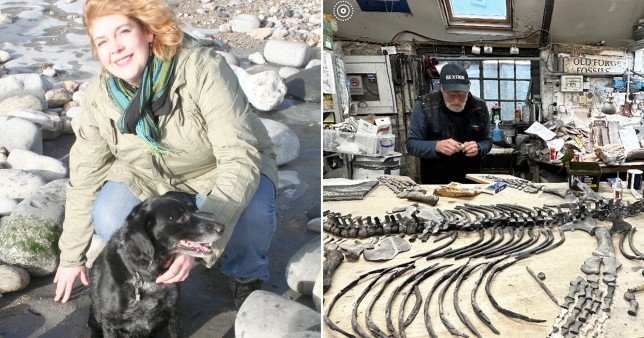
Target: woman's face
(123, 46)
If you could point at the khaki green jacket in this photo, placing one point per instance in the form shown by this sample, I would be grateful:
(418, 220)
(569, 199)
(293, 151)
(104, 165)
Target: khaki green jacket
(220, 149)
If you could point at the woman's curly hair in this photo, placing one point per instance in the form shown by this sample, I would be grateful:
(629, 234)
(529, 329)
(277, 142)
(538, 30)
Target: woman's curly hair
(152, 15)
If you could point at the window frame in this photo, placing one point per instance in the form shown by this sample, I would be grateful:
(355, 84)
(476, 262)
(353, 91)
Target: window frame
(453, 22)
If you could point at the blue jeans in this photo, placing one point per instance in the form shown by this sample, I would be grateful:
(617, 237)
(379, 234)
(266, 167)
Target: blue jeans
(244, 257)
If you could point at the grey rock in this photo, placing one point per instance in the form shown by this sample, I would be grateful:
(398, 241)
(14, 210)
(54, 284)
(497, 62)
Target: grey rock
(230, 58)
(58, 97)
(304, 334)
(313, 63)
(29, 239)
(304, 266)
(3, 161)
(49, 71)
(46, 167)
(315, 19)
(16, 133)
(305, 85)
(387, 249)
(244, 23)
(19, 184)
(279, 33)
(265, 314)
(314, 225)
(57, 127)
(7, 206)
(285, 72)
(285, 141)
(225, 28)
(287, 53)
(95, 248)
(14, 103)
(13, 278)
(317, 292)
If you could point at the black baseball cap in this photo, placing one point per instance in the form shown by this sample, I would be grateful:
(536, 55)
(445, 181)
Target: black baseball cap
(454, 78)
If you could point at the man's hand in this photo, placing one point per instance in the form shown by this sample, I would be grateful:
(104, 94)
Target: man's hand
(470, 148)
(179, 266)
(448, 147)
(65, 278)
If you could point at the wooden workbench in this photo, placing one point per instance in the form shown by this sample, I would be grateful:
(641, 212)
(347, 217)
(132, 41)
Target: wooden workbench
(513, 288)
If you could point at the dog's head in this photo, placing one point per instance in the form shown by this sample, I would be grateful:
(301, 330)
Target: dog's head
(171, 223)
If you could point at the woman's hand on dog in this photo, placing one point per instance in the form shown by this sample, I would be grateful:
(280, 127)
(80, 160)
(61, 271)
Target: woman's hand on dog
(179, 266)
(65, 278)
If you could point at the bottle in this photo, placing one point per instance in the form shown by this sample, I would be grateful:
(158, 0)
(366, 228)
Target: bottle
(617, 189)
(496, 113)
(517, 115)
(496, 133)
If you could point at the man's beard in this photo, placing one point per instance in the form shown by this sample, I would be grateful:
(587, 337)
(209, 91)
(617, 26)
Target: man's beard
(457, 108)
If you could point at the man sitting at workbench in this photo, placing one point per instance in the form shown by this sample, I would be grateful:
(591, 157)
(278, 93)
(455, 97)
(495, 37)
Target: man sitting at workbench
(449, 129)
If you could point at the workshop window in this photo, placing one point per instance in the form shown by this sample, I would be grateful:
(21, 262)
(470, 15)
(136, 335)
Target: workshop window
(477, 14)
(504, 81)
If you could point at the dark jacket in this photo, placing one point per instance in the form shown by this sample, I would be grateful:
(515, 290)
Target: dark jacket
(432, 121)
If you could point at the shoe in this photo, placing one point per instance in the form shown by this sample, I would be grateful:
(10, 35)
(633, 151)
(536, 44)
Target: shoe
(242, 290)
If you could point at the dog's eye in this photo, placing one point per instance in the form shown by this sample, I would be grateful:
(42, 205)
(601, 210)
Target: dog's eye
(171, 218)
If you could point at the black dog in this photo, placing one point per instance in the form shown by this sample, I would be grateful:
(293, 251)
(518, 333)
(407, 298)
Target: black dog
(126, 302)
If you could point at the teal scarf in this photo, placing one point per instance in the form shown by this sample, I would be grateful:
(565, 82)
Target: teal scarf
(139, 107)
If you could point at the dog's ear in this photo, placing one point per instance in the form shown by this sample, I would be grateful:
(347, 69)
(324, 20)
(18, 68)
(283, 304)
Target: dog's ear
(183, 197)
(136, 248)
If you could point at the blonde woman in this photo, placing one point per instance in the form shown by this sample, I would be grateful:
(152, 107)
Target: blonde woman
(166, 115)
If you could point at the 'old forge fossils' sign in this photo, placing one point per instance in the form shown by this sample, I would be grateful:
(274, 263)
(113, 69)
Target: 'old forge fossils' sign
(594, 64)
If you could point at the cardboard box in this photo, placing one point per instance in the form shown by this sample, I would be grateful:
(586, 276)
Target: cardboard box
(384, 125)
(586, 172)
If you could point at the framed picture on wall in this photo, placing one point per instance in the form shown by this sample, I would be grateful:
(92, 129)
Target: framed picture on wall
(572, 83)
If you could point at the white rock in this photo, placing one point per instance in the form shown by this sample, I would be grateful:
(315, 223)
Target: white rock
(22, 102)
(244, 23)
(279, 34)
(304, 266)
(225, 28)
(23, 84)
(315, 19)
(4, 18)
(206, 1)
(317, 291)
(265, 314)
(49, 71)
(257, 58)
(79, 95)
(230, 58)
(83, 86)
(287, 53)
(44, 166)
(38, 117)
(265, 90)
(313, 63)
(273, 10)
(16, 133)
(13, 278)
(74, 111)
(285, 72)
(285, 141)
(4, 56)
(7, 205)
(314, 225)
(18, 183)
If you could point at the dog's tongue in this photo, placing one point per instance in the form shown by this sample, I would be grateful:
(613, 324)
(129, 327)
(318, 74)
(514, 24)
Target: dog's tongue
(195, 246)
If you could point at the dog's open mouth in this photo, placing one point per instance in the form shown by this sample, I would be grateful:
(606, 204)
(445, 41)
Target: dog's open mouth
(195, 249)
